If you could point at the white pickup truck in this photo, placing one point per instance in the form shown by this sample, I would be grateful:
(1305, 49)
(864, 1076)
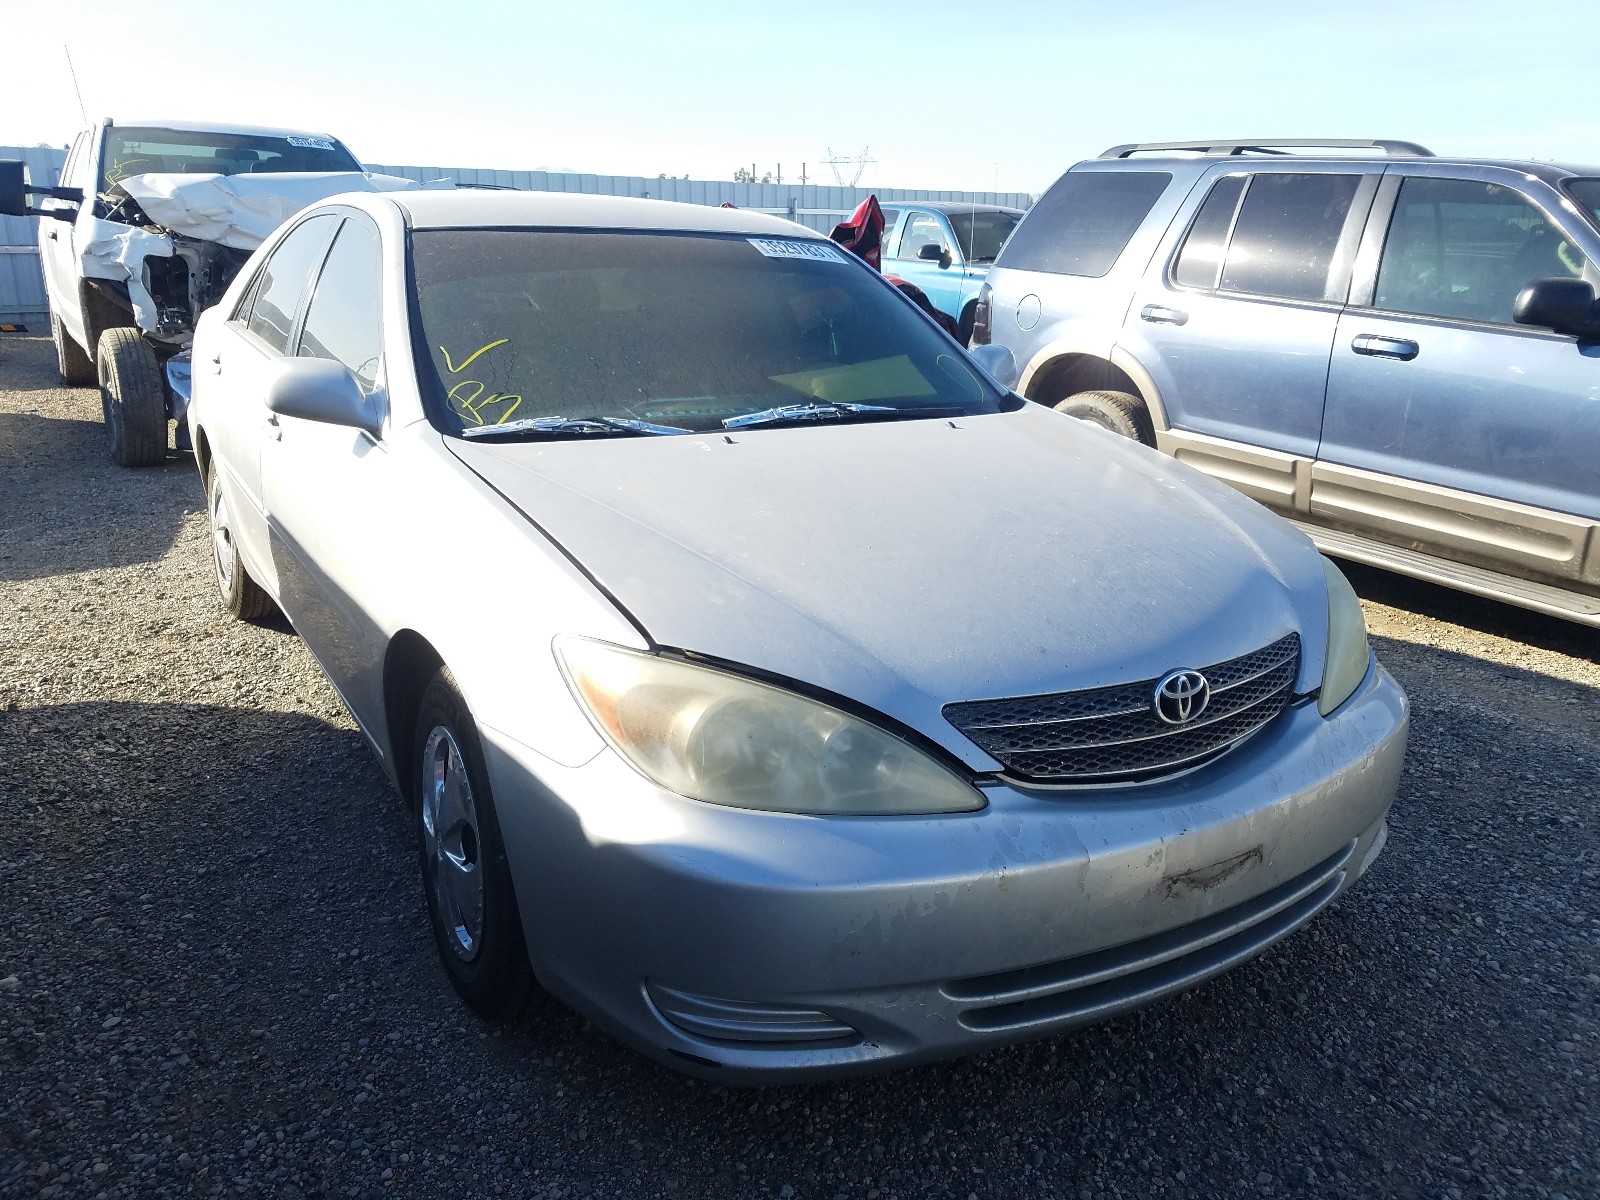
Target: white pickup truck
(148, 226)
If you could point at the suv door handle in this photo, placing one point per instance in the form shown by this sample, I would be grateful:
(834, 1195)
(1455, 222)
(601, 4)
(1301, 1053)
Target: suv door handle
(1162, 315)
(1379, 346)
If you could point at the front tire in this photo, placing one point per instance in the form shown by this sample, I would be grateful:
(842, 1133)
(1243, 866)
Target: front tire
(471, 904)
(1119, 412)
(133, 396)
(241, 595)
(72, 360)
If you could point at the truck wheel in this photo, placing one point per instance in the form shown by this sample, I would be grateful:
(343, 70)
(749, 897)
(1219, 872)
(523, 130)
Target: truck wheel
(134, 398)
(1117, 411)
(72, 360)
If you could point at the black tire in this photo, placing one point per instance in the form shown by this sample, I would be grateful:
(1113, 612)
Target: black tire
(461, 855)
(72, 360)
(241, 595)
(133, 396)
(1117, 411)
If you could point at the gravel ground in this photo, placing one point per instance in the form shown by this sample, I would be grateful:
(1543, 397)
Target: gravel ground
(216, 976)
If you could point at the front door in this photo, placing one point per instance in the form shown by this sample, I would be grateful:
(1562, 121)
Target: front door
(941, 279)
(1432, 383)
(1237, 331)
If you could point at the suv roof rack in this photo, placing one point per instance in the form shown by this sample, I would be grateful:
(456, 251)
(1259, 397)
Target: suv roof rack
(1274, 146)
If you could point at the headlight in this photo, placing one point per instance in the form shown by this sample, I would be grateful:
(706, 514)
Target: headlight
(1348, 653)
(723, 739)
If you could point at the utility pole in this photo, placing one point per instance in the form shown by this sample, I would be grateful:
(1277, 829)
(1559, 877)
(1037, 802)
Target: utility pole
(780, 172)
(802, 174)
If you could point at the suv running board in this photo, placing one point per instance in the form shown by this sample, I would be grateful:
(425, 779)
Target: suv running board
(1540, 597)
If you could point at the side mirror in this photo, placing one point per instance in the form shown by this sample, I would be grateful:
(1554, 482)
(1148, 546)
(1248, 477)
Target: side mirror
(316, 389)
(14, 193)
(997, 363)
(1564, 305)
(933, 252)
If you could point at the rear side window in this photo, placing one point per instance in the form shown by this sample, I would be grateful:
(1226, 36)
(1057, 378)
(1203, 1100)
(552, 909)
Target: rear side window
(1082, 224)
(342, 318)
(1286, 233)
(1200, 260)
(283, 281)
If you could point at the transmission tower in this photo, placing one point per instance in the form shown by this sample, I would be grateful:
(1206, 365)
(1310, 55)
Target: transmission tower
(839, 161)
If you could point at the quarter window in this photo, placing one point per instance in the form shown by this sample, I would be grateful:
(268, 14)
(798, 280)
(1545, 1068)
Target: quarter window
(283, 281)
(1084, 222)
(342, 318)
(1286, 233)
(1464, 249)
(921, 229)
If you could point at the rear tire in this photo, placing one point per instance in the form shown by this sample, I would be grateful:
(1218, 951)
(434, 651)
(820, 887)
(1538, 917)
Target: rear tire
(241, 595)
(471, 903)
(72, 360)
(1117, 411)
(133, 396)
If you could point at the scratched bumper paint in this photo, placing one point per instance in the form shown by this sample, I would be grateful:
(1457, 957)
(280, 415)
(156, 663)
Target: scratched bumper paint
(866, 920)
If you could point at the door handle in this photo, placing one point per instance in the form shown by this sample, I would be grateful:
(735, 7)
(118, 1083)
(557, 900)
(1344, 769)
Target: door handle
(1159, 314)
(1378, 346)
(51, 234)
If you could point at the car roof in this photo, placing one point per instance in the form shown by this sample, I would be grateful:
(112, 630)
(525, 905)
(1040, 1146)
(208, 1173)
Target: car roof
(181, 126)
(1548, 171)
(467, 207)
(950, 206)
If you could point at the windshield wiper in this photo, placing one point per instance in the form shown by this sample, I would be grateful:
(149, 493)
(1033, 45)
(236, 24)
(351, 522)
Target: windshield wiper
(817, 410)
(562, 427)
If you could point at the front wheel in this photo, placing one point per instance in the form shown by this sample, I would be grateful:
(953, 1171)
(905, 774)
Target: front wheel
(133, 396)
(1119, 412)
(465, 874)
(241, 595)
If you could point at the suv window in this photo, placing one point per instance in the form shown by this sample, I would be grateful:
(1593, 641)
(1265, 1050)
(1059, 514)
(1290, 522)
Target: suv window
(922, 228)
(1081, 225)
(342, 318)
(283, 280)
(1587, 193)
(1200, 260)
(1285, 235)
(1464, 249)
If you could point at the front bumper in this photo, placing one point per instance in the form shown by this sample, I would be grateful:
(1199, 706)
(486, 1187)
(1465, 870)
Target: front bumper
(758, 948)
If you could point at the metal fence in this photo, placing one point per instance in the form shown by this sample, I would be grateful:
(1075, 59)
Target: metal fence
(22, 295)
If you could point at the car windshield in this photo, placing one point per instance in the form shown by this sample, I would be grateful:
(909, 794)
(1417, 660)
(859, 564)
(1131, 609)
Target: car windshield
(981, 234)
(131, 151)
(678, 330)
(1587, 193)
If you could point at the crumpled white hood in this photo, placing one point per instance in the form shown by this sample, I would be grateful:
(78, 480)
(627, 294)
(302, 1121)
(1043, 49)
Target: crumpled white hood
(242, 211)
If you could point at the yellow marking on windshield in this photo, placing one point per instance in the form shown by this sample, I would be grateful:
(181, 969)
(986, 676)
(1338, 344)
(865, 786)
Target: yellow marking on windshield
(472, 406)
(454, 370)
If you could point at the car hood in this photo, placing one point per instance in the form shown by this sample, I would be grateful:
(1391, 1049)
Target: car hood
(910, 564)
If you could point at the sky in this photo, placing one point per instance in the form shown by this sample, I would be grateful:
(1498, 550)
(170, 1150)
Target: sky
(940, 95)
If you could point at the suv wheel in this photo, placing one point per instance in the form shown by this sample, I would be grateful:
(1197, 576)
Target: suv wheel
(1117, 411)
(72, 361)
(133, 396)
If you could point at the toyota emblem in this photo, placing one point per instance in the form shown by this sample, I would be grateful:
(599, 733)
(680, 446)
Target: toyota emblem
(1181, 696)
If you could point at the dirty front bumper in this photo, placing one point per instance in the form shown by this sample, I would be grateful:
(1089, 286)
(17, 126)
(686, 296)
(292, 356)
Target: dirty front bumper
(759, 948)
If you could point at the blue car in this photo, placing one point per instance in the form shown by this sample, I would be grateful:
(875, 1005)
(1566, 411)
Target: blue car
(946, 249)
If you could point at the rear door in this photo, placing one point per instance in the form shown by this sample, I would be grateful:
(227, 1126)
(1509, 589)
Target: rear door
(1436, 398)
(1236, 328)
(257, 333)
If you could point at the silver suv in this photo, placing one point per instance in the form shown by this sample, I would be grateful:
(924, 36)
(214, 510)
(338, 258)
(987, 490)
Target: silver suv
(1398, 352)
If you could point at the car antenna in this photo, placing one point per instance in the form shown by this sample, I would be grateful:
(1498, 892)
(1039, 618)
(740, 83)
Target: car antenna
(82, 111)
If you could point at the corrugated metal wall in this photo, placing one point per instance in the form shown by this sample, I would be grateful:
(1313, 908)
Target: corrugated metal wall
(22, 296)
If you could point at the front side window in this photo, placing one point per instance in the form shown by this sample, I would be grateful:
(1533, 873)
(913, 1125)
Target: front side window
(1286, 233)
(134, 151)
(1084, 222)
(922, 229)
(681, 330)
(342, 322)
(982, 234)
(277, 291)
(1463, 249)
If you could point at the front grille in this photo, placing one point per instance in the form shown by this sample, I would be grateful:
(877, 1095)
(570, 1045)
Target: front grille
(1113, 734)
(1096, 986)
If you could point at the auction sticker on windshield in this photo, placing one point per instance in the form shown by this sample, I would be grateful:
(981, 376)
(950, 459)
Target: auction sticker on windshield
(778, 248)
(311, 143)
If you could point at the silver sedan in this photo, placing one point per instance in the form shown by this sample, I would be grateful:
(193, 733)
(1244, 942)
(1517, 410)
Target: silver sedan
(768, 681)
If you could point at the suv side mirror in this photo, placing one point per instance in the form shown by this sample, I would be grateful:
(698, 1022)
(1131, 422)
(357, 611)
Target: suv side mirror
(317, 389)
(14, 193)
(997, 363)
(1564, 305)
